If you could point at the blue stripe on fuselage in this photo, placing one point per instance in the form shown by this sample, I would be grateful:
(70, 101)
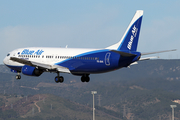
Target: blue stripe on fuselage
(89, 65)
(96, 66)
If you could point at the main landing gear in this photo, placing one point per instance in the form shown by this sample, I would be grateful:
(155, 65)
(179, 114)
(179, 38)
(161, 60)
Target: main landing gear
(85, 78)
(18, 77)
(59, 78)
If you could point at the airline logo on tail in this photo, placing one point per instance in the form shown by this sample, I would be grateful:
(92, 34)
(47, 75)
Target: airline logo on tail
(134, 32)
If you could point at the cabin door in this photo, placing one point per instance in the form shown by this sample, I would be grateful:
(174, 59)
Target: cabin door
(107, 59)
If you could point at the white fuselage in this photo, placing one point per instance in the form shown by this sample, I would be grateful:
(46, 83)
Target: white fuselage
(46, 55)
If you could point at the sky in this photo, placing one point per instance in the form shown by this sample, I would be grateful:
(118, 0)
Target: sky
(88, 24)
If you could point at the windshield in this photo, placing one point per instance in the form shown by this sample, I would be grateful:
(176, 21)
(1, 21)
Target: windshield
(8, 54)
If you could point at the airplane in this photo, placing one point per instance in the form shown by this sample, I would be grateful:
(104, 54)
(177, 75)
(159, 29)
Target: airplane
(33, 61)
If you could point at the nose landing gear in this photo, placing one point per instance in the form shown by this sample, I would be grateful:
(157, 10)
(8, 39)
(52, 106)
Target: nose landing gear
(18, 77)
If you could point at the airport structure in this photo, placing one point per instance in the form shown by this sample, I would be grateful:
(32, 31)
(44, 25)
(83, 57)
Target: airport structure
(93, 92)
(173, 106)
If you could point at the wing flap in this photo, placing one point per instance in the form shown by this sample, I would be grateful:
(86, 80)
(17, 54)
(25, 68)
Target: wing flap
(61, 69)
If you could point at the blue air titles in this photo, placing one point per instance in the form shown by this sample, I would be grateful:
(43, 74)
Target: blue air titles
(134, 32)
(31, 52)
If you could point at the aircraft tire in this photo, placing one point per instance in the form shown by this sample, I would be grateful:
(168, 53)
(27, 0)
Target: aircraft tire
(87, 79)
(61, 79)
(18, 77)
(56, 79)
(83, 79)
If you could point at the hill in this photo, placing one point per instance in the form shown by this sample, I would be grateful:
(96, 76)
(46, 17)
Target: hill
(141, 92)
(45, 106)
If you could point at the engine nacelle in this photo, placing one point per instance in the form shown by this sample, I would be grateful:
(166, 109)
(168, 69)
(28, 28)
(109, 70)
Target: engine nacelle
(31, 71)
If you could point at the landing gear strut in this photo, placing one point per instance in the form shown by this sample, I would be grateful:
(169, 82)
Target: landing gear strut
(85, 78)
(18, 77)
(59, 78)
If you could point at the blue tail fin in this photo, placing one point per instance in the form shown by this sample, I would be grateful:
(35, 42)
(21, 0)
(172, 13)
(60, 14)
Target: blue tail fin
(129, 41)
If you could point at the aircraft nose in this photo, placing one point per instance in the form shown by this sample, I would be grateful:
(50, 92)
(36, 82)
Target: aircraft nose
(5, 61)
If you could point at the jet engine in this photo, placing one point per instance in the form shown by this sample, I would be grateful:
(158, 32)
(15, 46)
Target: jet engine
(31, 71)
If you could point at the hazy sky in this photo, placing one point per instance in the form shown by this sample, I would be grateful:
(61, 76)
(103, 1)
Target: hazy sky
(88, 24)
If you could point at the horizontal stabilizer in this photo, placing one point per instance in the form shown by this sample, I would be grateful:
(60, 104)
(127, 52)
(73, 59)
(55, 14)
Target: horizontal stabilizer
(158, 52)
(134, 63)
(123, 53)
(148, 58)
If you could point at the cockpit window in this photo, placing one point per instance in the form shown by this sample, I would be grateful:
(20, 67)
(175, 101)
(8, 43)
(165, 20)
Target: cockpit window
(8, 54)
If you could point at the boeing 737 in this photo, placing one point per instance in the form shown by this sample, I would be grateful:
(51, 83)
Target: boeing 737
(33, 61)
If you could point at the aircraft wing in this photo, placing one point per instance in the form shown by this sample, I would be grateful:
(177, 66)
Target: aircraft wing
(23, 61)
(157, 52)
(41, 65)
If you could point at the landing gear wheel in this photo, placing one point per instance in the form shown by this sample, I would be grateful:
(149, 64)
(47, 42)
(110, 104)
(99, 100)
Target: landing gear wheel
(18, 77)
(85, 78)
(56, 79)
(59, 79)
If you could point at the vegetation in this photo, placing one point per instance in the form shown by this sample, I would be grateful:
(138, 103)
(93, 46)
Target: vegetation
(143, 92)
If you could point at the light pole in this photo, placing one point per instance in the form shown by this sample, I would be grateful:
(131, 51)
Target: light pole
(173, 106)
(93, 92)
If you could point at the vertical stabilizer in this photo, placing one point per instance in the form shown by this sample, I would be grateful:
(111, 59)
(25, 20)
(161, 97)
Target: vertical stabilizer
(129, 41)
